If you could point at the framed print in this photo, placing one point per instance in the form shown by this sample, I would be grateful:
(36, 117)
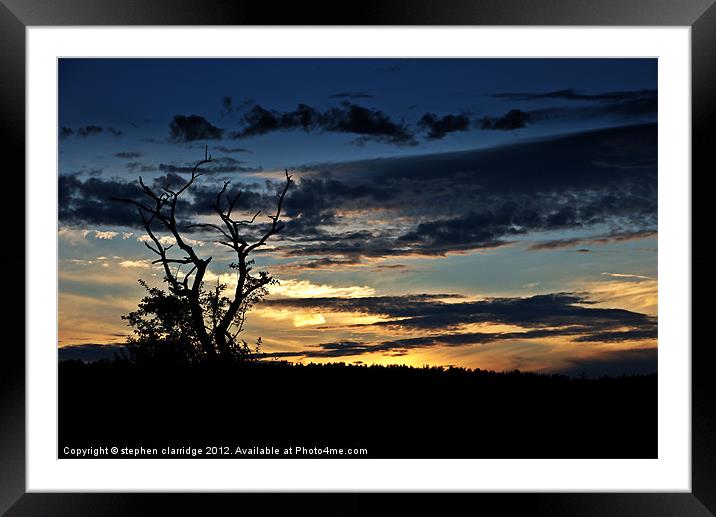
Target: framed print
(442, 250)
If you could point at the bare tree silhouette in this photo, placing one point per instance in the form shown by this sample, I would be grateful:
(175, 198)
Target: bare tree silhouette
(215, 320)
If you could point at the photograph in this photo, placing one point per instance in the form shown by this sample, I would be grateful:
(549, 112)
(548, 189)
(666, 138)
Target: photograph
(357, 258)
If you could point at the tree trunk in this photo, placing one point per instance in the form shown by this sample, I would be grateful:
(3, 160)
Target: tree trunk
(221, 344)
(197, 321)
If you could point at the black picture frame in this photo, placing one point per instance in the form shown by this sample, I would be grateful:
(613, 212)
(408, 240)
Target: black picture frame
(16, 15)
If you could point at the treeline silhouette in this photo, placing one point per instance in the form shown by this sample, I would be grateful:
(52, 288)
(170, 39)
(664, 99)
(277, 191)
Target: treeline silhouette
(390, 411)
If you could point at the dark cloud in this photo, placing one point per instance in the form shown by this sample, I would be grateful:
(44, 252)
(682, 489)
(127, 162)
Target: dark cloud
(259, 121)
(318, 264)
(217, 165)
(513, 119)
(87, 202)
(438, 127)
(541, 316)
(512, 168)
(572, 95)
(399, 347)
(596, 240)
(86, 131)
(229, 150)
(66, 132)
(619, 336)
(352, 95)
(224, 164)
(227, 104)
(185, 128)
(368, 123)
(474, 230)
(128, 155)
(569, 313)
(489, 196)
(90, 130)
(615, 362)
(447, 202)
(469, 200)
(331, 263)
(349, 118)
(626, 110)
(624, 105)
(85, 171)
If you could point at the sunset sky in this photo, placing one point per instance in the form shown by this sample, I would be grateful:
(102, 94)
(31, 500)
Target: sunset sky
(486, 213)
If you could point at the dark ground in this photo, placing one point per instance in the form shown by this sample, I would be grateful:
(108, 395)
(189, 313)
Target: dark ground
(393, 412)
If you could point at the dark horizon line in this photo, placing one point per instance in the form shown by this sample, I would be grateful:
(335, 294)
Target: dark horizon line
(265, 358)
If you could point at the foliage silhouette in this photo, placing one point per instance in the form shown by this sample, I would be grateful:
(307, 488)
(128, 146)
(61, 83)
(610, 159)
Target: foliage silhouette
(163, 332)
(190, 323)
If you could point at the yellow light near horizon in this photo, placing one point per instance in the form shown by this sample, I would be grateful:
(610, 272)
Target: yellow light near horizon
(641, 296)
(304, 320)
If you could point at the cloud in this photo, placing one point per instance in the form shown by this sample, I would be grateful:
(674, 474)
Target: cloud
(320, 264)
(628, 276)
(229, 106)
(352, 95)
(216, 166)
(305, 289)
(94, 171)
(537, 317)
(88, 202)
(513, 119)
(438, 127)
(619, 336)
(73, 236)
(571, 94)
(167, 240)
(425, 205)
(298, 319)
(189, 128)
(228, 150)
(624, 105)
(564, 310)
(592, 241)
(473, 230)
(135, 264)
(368, 124)
(86, 131)
(128, 155)
(66, 132)
(90, 130)
(105, 235)
(259, 121)
(613, 363)
(639, 295)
